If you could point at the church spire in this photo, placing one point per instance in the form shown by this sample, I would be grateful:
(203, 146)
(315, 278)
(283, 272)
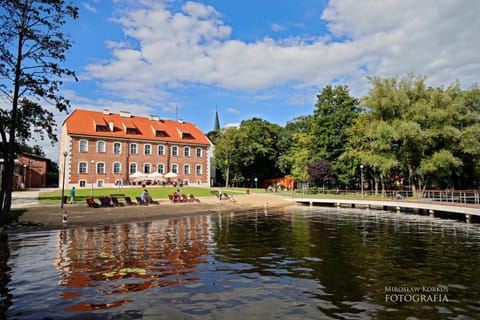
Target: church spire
(216, 126)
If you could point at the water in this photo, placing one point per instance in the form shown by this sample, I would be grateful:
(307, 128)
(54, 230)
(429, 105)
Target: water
(292, 263)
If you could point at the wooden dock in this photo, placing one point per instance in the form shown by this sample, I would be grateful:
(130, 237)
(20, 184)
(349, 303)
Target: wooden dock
(421, 207)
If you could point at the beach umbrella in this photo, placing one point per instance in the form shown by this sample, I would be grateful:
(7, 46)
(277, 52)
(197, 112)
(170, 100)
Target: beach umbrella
(171, 175)
(137, 176)
(155, 175)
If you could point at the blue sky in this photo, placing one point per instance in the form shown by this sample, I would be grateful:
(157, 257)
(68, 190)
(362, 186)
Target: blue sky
(264, 58)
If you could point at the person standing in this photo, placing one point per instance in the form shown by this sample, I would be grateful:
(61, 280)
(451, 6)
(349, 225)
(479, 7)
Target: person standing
(72, 195)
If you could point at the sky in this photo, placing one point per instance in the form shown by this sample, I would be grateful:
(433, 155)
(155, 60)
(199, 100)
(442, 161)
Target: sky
(265, 58)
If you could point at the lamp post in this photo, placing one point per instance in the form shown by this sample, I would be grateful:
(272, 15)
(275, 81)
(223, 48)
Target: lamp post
(93, 175)
(256, 182)
(30, 165)
(361, 178)
(24, 182)
(65, 154)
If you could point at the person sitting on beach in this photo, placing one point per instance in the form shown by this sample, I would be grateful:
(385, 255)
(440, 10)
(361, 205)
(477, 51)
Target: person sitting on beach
(177, 195)
(145, 195)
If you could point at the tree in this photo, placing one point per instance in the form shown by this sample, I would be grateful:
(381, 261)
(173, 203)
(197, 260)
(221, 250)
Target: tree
(226, 153)
(321, 172)
(31, 48)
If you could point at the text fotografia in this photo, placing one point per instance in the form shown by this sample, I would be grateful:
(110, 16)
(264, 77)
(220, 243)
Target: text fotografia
(422, 294)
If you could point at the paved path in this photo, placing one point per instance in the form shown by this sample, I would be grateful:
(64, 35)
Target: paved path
(26, 199)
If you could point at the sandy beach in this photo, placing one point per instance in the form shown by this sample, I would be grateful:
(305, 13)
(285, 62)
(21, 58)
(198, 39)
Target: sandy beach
(50, 217)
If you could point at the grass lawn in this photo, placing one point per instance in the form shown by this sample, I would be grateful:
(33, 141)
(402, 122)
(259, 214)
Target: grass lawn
(157, 193)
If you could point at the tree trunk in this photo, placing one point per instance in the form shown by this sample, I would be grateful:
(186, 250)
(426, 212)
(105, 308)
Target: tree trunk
(7, 186)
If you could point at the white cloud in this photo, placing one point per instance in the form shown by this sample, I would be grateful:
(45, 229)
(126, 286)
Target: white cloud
(277, 27)
(436, 38)
(89, 7)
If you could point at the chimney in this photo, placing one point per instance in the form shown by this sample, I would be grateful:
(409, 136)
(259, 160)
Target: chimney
(125, 114)
(106, 111)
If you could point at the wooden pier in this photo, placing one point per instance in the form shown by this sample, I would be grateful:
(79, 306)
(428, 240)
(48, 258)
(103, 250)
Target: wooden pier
(421, 207)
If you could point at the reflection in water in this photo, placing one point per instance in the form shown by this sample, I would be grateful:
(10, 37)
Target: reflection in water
(125, 258)
(294, 263)
(5, 296)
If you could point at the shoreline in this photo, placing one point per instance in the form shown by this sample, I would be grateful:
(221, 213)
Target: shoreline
(42, 218)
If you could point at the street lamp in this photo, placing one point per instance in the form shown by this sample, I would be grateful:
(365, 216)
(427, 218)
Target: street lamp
(256, 180)
(361, 178)
(65, 154)
(93, 174)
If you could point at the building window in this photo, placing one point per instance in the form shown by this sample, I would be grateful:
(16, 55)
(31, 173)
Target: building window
(133, 168)
(117, 167)
(101, 128)
(148, 149)
(83, 146)
(100, 183)
(133, 148)
(160, 133)
(161, 150)
(82, 167)
(161, 168)
(101, 146)
(82, 183)
(198, 170)
(100, 168)
(174, 151)
(147, 168)
(132, 131)
(117, 147)
(187, 135)
(199, 152)
(186, 169)
(118, 182)
(186, 152)
(175, 168)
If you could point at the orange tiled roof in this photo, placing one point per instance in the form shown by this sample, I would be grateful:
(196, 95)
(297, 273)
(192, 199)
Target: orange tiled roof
(85, 122)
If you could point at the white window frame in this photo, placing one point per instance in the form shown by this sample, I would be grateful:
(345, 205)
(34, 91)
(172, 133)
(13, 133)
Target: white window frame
(101, 143)
(83, 143)
(132, 165)
(145, 166)
(199, 170)
(186, 169)
(149, 147)
(119, 167)
(161, 148)
(174, 168)
(199, 152)
(80, 167)
(119, 149)
(186, 152)
(163, 168)
(174, 151)
(82, 183)
(97, 167)
(135, 146)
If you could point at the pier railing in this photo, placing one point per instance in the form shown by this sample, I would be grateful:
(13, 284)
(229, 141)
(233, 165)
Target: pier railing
(465, 197)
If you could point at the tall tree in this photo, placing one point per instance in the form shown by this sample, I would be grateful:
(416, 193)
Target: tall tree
(31, 47)
(335, 112)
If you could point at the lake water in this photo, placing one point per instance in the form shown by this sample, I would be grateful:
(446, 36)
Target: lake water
(291, 263)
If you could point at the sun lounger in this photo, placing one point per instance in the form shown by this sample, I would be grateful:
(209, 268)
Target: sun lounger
(91, 203)
(173, 198)
(150, 200)
(116, 203)
(192, 198)
(129, 201)
(140, 201)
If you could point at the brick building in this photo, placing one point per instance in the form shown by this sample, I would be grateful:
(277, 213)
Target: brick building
(104, 149)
